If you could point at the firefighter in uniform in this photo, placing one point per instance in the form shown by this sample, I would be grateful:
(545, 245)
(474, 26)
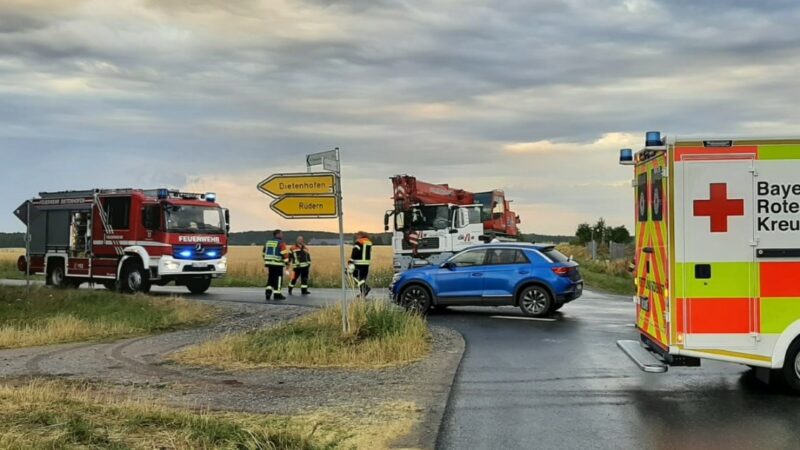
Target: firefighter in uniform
(361, 259)
(301, 264)
(276, 259)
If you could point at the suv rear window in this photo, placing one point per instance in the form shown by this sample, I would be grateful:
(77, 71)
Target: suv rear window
(555, 256)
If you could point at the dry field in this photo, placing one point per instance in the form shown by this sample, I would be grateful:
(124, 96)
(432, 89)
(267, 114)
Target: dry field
(8, 262)
(246, 266)
(11, 254)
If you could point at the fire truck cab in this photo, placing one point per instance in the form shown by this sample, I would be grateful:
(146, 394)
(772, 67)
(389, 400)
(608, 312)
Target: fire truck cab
(126, 239)
(717, 254)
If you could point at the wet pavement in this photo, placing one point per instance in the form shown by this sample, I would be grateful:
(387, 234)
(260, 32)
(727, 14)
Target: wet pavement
(563, 384)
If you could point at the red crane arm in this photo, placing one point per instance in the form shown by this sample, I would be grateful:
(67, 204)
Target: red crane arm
(409, 191)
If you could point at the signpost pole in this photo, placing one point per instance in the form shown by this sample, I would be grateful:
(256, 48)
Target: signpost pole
(28, 252)
(313, 196)
(345, 306)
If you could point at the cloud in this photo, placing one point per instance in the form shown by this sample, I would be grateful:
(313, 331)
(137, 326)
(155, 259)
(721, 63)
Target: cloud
(532, 97)
(608, 141)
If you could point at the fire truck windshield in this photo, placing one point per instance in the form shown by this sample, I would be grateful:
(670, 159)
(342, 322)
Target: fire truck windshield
(194, 219)
(424, 218)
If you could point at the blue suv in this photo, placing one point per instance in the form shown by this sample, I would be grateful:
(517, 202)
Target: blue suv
(537, 278)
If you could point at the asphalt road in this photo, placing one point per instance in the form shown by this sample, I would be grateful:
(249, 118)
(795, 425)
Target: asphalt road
(563, 384)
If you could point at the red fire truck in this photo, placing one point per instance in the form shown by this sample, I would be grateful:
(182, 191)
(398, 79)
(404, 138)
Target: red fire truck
(126, 239)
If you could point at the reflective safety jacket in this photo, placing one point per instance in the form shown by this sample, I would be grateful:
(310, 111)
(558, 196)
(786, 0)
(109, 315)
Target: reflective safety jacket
(300, 256)
(362, 252)
(276, 253)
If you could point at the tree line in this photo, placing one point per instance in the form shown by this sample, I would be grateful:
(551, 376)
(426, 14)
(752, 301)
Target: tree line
(602, 233)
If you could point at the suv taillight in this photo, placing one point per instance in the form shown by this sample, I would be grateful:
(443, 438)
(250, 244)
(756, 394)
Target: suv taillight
(561, 271)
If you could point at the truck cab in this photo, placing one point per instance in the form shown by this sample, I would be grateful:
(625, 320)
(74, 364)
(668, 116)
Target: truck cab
(430, 234)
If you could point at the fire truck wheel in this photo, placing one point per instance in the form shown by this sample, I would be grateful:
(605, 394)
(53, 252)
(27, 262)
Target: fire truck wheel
(134, 278)
(535, 301)
(55, 274)
(791, 367)
(416, 298)
(198, 286)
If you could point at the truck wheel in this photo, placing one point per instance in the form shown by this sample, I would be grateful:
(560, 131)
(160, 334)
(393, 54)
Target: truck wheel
(134, 278)
(535, 301)
(416, 298)
(56, 276)
(791, 367)
(198, 286)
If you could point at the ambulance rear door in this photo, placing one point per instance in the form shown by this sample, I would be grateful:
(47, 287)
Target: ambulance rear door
(716, 275)
(652, 250)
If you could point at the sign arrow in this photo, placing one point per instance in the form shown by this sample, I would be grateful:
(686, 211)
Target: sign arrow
(316, 159)
(282, 184)
(306, 206)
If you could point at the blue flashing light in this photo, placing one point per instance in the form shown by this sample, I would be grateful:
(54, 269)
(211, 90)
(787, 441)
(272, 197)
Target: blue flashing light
(653, 139)
(186, 253)
(163, 194)
(625, 156)
(211, 254)
(211, 197)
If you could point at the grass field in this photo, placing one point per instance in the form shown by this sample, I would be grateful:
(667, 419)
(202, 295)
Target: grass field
(606, 276)
(381, 335)
(246, 267)
(49, 316)
(48, 414)
(42, 414)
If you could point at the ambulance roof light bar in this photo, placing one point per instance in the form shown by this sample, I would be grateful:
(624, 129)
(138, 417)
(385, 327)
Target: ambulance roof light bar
(653, 139)
(626, 157)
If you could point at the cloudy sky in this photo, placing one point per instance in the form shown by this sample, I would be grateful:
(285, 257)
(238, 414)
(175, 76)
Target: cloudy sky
(534, 96)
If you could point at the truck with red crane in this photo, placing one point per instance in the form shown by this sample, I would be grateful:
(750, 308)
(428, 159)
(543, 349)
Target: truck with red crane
(126, 239)
(434, 221)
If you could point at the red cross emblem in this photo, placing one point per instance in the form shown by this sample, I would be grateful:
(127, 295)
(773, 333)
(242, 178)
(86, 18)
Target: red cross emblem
(719, 207)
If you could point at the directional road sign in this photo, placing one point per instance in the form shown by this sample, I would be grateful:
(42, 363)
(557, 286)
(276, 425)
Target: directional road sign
(282, 184)
(331, 165)
(306, 206)
(316, 159)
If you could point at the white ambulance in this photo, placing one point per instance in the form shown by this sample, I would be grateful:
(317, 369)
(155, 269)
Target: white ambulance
(717, 253)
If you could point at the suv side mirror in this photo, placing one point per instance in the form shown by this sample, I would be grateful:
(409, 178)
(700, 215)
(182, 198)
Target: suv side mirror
(449, 265)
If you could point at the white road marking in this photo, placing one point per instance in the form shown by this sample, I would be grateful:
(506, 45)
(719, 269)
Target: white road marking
(539, 319)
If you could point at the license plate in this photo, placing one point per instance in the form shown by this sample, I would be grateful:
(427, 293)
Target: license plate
(199, 264)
